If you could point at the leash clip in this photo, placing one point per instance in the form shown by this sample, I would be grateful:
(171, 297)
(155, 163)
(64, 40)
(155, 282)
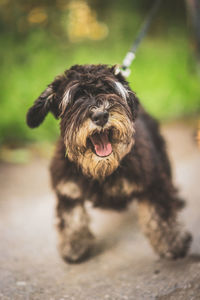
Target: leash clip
(124, 68)
(124, 71)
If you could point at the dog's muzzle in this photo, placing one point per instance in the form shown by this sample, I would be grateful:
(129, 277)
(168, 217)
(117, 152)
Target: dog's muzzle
(100, 118)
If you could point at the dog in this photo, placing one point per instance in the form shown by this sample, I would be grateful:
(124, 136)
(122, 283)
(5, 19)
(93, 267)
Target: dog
(110, 151)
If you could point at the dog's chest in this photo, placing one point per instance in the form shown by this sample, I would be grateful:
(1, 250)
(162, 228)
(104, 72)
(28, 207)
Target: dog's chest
(113, 193)
(112, 190)
(121, 187)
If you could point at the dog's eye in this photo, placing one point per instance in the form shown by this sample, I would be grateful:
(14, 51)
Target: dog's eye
(99, 103)
(111, 101)
(78, 100)
(92, 108)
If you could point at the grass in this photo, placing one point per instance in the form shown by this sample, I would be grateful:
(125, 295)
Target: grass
(163, 76)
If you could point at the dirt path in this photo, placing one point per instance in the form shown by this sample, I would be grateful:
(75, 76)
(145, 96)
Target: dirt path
(123, 266)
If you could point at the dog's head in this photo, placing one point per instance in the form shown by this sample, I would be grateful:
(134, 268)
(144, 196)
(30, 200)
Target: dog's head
(97, 111)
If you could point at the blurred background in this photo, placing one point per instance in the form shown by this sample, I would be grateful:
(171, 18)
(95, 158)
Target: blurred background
(41, 38)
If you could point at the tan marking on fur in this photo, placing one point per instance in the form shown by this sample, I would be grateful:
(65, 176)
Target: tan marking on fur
(74, 238)
(122, 142)
(165, 236)
(65, 100)
(77, 218)
(122, 187)
(66, 97)
(69, 188)
(121, 89)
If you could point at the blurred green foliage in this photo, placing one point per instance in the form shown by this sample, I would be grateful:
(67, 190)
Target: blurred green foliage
(163, 75)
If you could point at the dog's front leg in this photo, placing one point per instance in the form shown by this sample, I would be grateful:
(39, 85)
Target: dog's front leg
(75, 238)
(164, 233)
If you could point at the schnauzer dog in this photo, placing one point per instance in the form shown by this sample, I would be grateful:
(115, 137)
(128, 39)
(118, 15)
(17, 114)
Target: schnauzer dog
(110, 152)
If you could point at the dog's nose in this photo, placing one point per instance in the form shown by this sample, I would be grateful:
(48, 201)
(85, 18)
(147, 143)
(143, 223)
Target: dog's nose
(100, 118)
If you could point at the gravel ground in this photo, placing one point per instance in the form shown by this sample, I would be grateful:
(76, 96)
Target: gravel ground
(123, 265)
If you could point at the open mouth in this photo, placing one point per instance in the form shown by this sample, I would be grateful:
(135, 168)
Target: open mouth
(101, 143)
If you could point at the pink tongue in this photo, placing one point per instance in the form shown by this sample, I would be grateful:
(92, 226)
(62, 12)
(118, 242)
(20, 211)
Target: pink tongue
(101, 144)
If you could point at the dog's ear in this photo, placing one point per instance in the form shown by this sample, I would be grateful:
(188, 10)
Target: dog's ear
(43, 104)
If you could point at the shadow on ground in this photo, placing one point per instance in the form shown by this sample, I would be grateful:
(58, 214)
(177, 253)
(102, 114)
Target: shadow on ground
(122, 265)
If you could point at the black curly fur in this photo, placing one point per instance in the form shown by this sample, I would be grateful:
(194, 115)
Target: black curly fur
(146, 166)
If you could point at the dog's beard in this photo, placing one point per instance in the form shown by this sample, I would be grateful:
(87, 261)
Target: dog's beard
(99, 151)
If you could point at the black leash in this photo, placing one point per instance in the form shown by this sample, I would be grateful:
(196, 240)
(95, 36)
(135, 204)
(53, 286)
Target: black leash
(130, 56)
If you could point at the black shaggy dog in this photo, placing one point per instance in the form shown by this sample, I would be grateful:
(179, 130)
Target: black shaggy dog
(110, 152)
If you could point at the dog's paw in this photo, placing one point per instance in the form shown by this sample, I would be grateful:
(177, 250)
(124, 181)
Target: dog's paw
(178, 247)
(77, 247)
